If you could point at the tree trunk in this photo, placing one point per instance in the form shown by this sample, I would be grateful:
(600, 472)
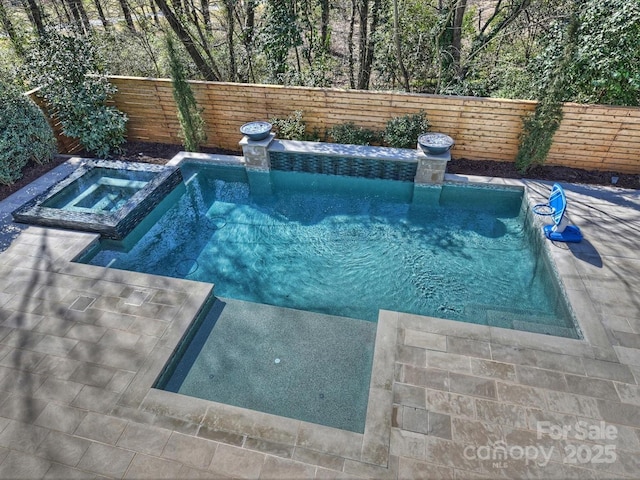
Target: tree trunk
(248, 33)
(103, 19)
(192, 12)
(250, 22)
(79, 16)
(84, 16)
(398, 43)
(126, 11)
(369, 44)
(16, 41)
(363, 13)
(204, 5)
(229, 7)
(324, 25)
(75, 14)
(61, 8)
(456, 34)
(352, 25)
(305, 13)
(154, 11)
(181, 32)
(34, 11)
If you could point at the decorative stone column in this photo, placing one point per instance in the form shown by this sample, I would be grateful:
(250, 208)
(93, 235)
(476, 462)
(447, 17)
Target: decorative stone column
(256, 152)
(257, 164)
(431, 168)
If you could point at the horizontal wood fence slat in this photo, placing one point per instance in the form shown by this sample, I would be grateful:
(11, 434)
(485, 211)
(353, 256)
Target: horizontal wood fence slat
(594, 137)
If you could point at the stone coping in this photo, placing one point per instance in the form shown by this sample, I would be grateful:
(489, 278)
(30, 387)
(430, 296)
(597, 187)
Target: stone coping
(353, 151)
(371, 447)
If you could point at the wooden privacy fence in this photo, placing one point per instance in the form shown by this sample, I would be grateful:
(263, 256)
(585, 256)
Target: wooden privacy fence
(65, 144)
(590, 136)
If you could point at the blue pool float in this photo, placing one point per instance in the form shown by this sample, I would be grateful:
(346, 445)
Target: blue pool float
(560, 231)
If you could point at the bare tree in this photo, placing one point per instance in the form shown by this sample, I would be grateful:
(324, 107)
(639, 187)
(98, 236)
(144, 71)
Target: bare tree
(397, 38)
(454, 65)
(208, 70)
(369, 21)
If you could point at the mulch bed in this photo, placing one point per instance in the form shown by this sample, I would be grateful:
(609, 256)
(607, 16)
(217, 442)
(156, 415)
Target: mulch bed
(489, 168)
(159, 153)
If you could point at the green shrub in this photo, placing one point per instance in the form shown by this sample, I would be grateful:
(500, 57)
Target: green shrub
(99, 128)
(351, 134)
(191, 123)
(403, 131)
(291, 127)
(538, 129)
(66, 68)
(25, 134)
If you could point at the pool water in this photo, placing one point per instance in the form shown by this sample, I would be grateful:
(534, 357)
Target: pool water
(349, 247)
(301, 365)
(101, 190)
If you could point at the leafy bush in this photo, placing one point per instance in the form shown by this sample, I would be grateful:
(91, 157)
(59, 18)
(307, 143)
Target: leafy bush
(291, 127)
(536, 138)
(403, 131)
(279, 34)
(539, 127)
(606, 67)
(351, 134)
(67, 70)
(25, 134)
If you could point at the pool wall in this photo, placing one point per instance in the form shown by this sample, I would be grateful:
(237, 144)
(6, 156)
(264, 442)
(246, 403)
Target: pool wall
(533, 226)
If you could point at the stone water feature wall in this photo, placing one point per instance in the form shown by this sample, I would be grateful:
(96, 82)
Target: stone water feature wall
(409, 165)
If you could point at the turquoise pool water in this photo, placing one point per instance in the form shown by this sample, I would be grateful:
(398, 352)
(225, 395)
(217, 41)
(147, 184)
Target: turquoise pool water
(325, 254)
(101, 190)
(348, 246)
(303, 365)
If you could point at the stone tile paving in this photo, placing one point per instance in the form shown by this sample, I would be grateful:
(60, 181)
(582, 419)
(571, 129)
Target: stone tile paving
(80, 347)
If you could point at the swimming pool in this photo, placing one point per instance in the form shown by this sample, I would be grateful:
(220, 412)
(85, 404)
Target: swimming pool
(302, 263)
(350, 246)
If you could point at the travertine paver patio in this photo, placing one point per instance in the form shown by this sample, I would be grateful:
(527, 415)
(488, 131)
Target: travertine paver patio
(81, 345)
